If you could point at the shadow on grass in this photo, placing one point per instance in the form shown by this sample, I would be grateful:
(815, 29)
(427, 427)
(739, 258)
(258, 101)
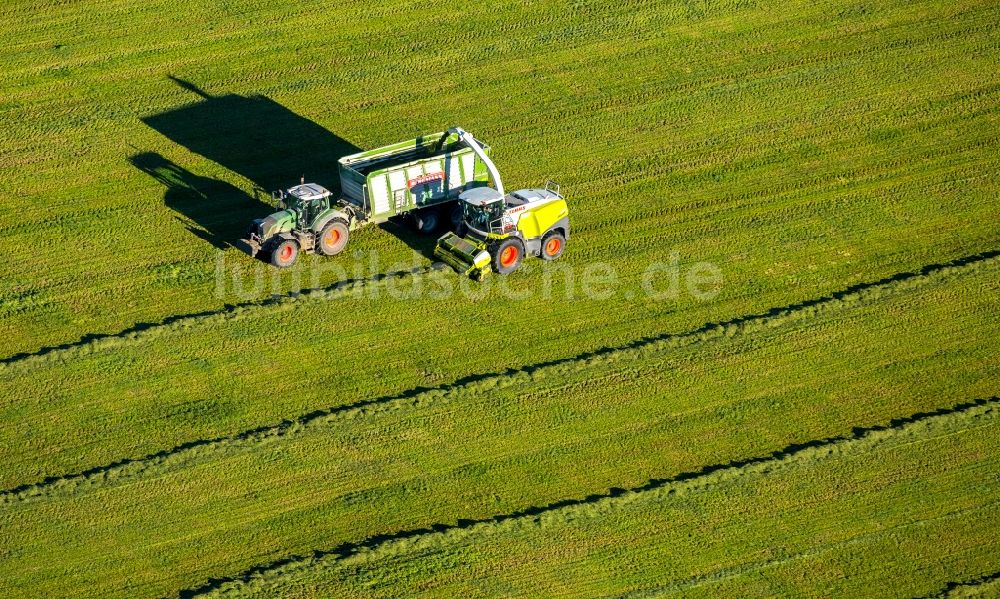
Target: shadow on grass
(213, 210)
(252, 136)
(255, 137)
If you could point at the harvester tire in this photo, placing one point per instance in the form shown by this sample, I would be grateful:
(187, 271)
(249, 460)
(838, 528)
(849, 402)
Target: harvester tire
(333, 237)
(553, 245)
(507, 255)
(284, 253)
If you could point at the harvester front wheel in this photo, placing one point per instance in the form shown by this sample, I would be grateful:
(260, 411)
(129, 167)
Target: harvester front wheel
(333, 238)
(507, 255)
(285, 253)
(553, 245)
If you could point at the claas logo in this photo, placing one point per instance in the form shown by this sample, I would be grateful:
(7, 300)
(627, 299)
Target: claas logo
(424, 179)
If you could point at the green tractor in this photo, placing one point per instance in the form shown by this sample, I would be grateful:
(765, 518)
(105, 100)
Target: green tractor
(307, 222)
(503, 229)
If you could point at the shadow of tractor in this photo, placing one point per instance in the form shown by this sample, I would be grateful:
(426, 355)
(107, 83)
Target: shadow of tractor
(213, 210)
(259, 139)
(252, 136)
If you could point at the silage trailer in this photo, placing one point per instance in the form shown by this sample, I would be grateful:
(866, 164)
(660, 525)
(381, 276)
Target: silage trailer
(419, 179)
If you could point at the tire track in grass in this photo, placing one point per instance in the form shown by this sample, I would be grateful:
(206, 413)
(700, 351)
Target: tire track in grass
(919, 426)
(122, 471)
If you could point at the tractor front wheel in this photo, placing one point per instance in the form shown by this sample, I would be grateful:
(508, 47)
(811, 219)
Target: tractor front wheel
(285, 253)
(507, 255)
(553, 245)
(333, 238)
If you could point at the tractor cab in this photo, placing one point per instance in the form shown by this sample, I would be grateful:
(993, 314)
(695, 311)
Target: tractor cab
(307, 201)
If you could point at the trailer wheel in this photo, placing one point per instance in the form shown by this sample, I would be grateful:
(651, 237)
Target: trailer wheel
(508, 255)
(427, 221)
(285, 253)
(333, 237)
(553, 245)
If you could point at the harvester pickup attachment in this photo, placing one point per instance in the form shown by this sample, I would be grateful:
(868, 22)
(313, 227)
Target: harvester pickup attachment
(468, 256)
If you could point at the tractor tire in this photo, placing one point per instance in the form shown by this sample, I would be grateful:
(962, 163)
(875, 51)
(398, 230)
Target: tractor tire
(427, 221)
(507, 255)
(333, 238)
(553, 245)
(285, 253)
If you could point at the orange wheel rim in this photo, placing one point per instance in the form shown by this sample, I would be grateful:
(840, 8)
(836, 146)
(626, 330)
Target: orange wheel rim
(508, 256)
(286, 252)
(332, 236)
(552, 246)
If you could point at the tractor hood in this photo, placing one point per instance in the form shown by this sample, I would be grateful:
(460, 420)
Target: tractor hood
(279, 222)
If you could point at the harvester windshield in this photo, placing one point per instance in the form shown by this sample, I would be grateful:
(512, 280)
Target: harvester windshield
(479, 216)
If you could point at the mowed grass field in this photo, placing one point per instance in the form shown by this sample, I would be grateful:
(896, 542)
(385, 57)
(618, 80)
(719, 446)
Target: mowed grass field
(822, 422)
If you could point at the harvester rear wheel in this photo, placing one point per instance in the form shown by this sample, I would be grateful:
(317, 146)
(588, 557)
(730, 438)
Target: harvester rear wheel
(553, 245)
(285, 253)
(333, 237)
(507, 255)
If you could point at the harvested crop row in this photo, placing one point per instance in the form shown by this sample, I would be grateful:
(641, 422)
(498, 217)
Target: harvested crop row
(183, 323)
(641, 349)
(514, 446)
(543, 548)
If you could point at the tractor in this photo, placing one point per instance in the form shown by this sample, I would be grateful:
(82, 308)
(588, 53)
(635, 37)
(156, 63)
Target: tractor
(307, 222)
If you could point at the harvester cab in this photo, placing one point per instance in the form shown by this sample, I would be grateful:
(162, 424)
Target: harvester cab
(483, 209)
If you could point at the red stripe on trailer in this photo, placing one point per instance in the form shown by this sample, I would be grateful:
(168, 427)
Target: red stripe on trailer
(424, 179)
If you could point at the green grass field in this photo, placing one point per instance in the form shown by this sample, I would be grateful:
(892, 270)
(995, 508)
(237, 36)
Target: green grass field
(824, 423)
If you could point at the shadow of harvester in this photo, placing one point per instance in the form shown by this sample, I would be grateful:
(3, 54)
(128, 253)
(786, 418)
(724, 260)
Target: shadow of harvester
(252, 136)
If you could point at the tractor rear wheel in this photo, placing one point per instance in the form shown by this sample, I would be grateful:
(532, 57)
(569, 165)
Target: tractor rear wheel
(333, 237)
(285, 253)
(507, 255)
(553, 245)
